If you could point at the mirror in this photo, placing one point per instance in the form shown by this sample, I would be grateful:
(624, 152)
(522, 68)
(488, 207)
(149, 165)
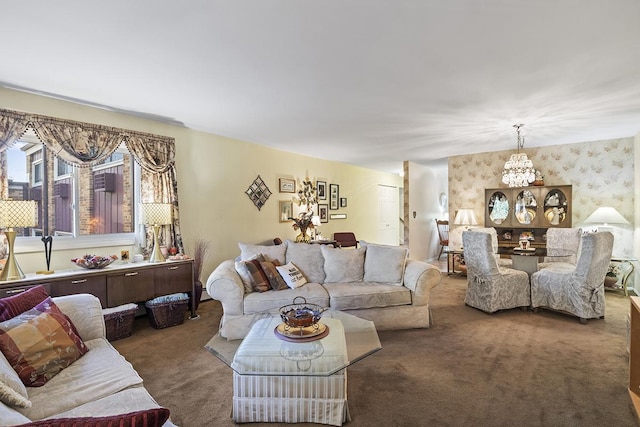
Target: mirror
(498, 207)
(555, 207)
(525, 207)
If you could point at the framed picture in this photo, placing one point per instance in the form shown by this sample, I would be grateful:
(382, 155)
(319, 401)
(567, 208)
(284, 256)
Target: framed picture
(338, 216)
(343, 202)
(287, 185)
(323, 212)
(285, 210)
(334, 196)
(322, 190)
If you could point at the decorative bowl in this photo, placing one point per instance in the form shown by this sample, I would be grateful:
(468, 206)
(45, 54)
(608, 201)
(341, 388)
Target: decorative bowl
(301, 315)
(92, 262)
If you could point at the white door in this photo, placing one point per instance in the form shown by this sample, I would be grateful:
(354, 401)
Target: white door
(389, 212)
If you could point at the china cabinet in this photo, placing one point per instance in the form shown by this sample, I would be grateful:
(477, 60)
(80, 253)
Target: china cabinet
(527, 212)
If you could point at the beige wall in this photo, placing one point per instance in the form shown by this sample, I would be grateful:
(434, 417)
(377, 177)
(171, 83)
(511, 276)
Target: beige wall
(601, 173)
(213, 174)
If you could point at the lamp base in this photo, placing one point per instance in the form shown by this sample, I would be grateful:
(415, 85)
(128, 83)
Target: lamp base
(156, 253)
(45, 272)
(11, 270)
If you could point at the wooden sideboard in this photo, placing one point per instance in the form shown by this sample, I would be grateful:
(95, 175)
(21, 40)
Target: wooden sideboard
(527, 211)
(115, 284)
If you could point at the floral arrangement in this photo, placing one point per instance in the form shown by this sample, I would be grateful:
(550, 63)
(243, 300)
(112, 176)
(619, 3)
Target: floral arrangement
(308, 196)
(303, 221)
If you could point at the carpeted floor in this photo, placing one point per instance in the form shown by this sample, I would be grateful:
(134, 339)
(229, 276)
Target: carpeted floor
(506, 369)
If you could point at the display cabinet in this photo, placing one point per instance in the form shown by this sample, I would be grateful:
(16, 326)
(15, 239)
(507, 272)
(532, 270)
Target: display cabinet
(527, 212)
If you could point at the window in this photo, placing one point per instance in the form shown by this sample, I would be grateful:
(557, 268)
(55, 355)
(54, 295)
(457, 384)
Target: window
(72, 201)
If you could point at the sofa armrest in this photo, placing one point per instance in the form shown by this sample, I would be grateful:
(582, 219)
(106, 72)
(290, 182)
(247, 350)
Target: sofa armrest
(85, 312)
(224, 284)
(420, 278)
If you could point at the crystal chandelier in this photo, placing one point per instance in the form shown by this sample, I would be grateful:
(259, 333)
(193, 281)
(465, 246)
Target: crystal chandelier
(518, 170)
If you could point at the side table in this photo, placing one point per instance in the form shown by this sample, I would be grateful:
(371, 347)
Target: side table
(620, 270)
(454, 255)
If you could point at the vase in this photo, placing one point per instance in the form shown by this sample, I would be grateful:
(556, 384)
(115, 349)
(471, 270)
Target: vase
(197, 284)
(303, 237)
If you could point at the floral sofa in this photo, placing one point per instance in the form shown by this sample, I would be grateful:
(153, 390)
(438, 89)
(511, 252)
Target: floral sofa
(98, 386)
(375, 282)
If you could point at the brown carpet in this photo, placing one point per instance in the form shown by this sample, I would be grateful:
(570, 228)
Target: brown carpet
(506, 369)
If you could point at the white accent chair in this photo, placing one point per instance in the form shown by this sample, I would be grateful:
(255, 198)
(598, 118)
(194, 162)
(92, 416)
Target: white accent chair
(578, 288)
(502, 262)
(491, 287)
(562, 241)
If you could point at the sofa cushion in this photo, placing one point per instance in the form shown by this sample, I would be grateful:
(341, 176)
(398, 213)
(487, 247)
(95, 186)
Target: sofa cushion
(276, 281)
(11, 417)
(270, 253)
(384, 264)
(12, 390)
(18, 304)
(351, 296)
(243, 272)
(40, 342)
(308, 258)
(155, 417)
(343, 266)
(292, 275)
(259, 280)
(313, 293)
(101, 372)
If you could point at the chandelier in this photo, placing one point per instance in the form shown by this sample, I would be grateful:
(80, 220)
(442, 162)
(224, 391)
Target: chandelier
(518, 170)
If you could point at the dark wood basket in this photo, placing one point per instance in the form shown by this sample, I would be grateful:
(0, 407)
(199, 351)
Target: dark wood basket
(166, 314)
(120, 323)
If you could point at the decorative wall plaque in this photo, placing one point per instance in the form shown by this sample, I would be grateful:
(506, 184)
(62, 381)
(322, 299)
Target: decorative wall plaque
(258, 192)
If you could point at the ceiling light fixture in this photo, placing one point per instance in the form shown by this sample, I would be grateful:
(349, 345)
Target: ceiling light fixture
(518, 170)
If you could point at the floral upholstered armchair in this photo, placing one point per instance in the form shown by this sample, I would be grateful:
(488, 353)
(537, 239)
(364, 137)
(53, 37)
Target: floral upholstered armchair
(576, 289)
(491, 287)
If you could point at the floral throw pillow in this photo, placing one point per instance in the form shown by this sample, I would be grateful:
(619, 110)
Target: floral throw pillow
(17, 304)
(40, 342)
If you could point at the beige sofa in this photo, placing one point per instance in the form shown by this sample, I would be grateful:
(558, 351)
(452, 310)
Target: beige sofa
(375, 282)
(101, 383)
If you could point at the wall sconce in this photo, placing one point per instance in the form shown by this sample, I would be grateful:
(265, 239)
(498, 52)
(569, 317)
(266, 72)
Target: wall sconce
(465, 217)
(156, 214)
(18, 214)
(606, 215)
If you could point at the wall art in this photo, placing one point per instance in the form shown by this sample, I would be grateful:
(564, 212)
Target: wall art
(322, 190)
(258, 192)
(334, 196)
(285, 210)
(287, 185)
(323, 212)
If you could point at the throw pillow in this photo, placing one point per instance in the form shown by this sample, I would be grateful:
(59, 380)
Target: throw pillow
(244, 273)
(155, 417)
(308, 258)
(275, 280)
(40, 342)
(12, 390)
(291, 275)
(259, 280)
(270, 253)
(343, 266)
(17, 304)
(385, 264)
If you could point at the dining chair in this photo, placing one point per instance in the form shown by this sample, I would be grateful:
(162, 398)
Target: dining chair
(443, 234)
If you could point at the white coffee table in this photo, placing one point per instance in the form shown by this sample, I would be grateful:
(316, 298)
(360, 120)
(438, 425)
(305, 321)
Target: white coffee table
(281, 381)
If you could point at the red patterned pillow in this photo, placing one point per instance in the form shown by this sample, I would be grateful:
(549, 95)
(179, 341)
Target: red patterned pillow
(17, 304)
(40, 342)
(148, 418)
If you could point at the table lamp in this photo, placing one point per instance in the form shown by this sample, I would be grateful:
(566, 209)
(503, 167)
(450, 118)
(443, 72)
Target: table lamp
(315, 220)
(156, 214)
(606, 215)
(19, 214)
(465, 217)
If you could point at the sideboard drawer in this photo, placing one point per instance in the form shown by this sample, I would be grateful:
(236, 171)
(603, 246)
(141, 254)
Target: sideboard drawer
(92, 284)
(14, 290)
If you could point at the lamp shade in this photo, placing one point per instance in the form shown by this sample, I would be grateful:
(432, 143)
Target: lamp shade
(18, 213)
(465, 217)
(156, 213)
(606, 215)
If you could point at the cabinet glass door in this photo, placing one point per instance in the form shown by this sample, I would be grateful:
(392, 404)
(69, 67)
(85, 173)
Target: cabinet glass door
(555, 207)
(525, 208)
(498, 208)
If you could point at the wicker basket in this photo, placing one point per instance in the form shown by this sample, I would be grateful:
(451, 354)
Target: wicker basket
(119, 321)
(166, 314)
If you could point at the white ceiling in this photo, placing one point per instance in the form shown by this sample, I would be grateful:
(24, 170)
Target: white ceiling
(367, 82)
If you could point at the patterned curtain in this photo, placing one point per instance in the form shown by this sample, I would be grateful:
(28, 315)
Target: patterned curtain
(86, 144)
(156, 156)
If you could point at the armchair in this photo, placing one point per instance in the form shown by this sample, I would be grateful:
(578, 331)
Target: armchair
(345, 239)
(491, 287)
(576, 289)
